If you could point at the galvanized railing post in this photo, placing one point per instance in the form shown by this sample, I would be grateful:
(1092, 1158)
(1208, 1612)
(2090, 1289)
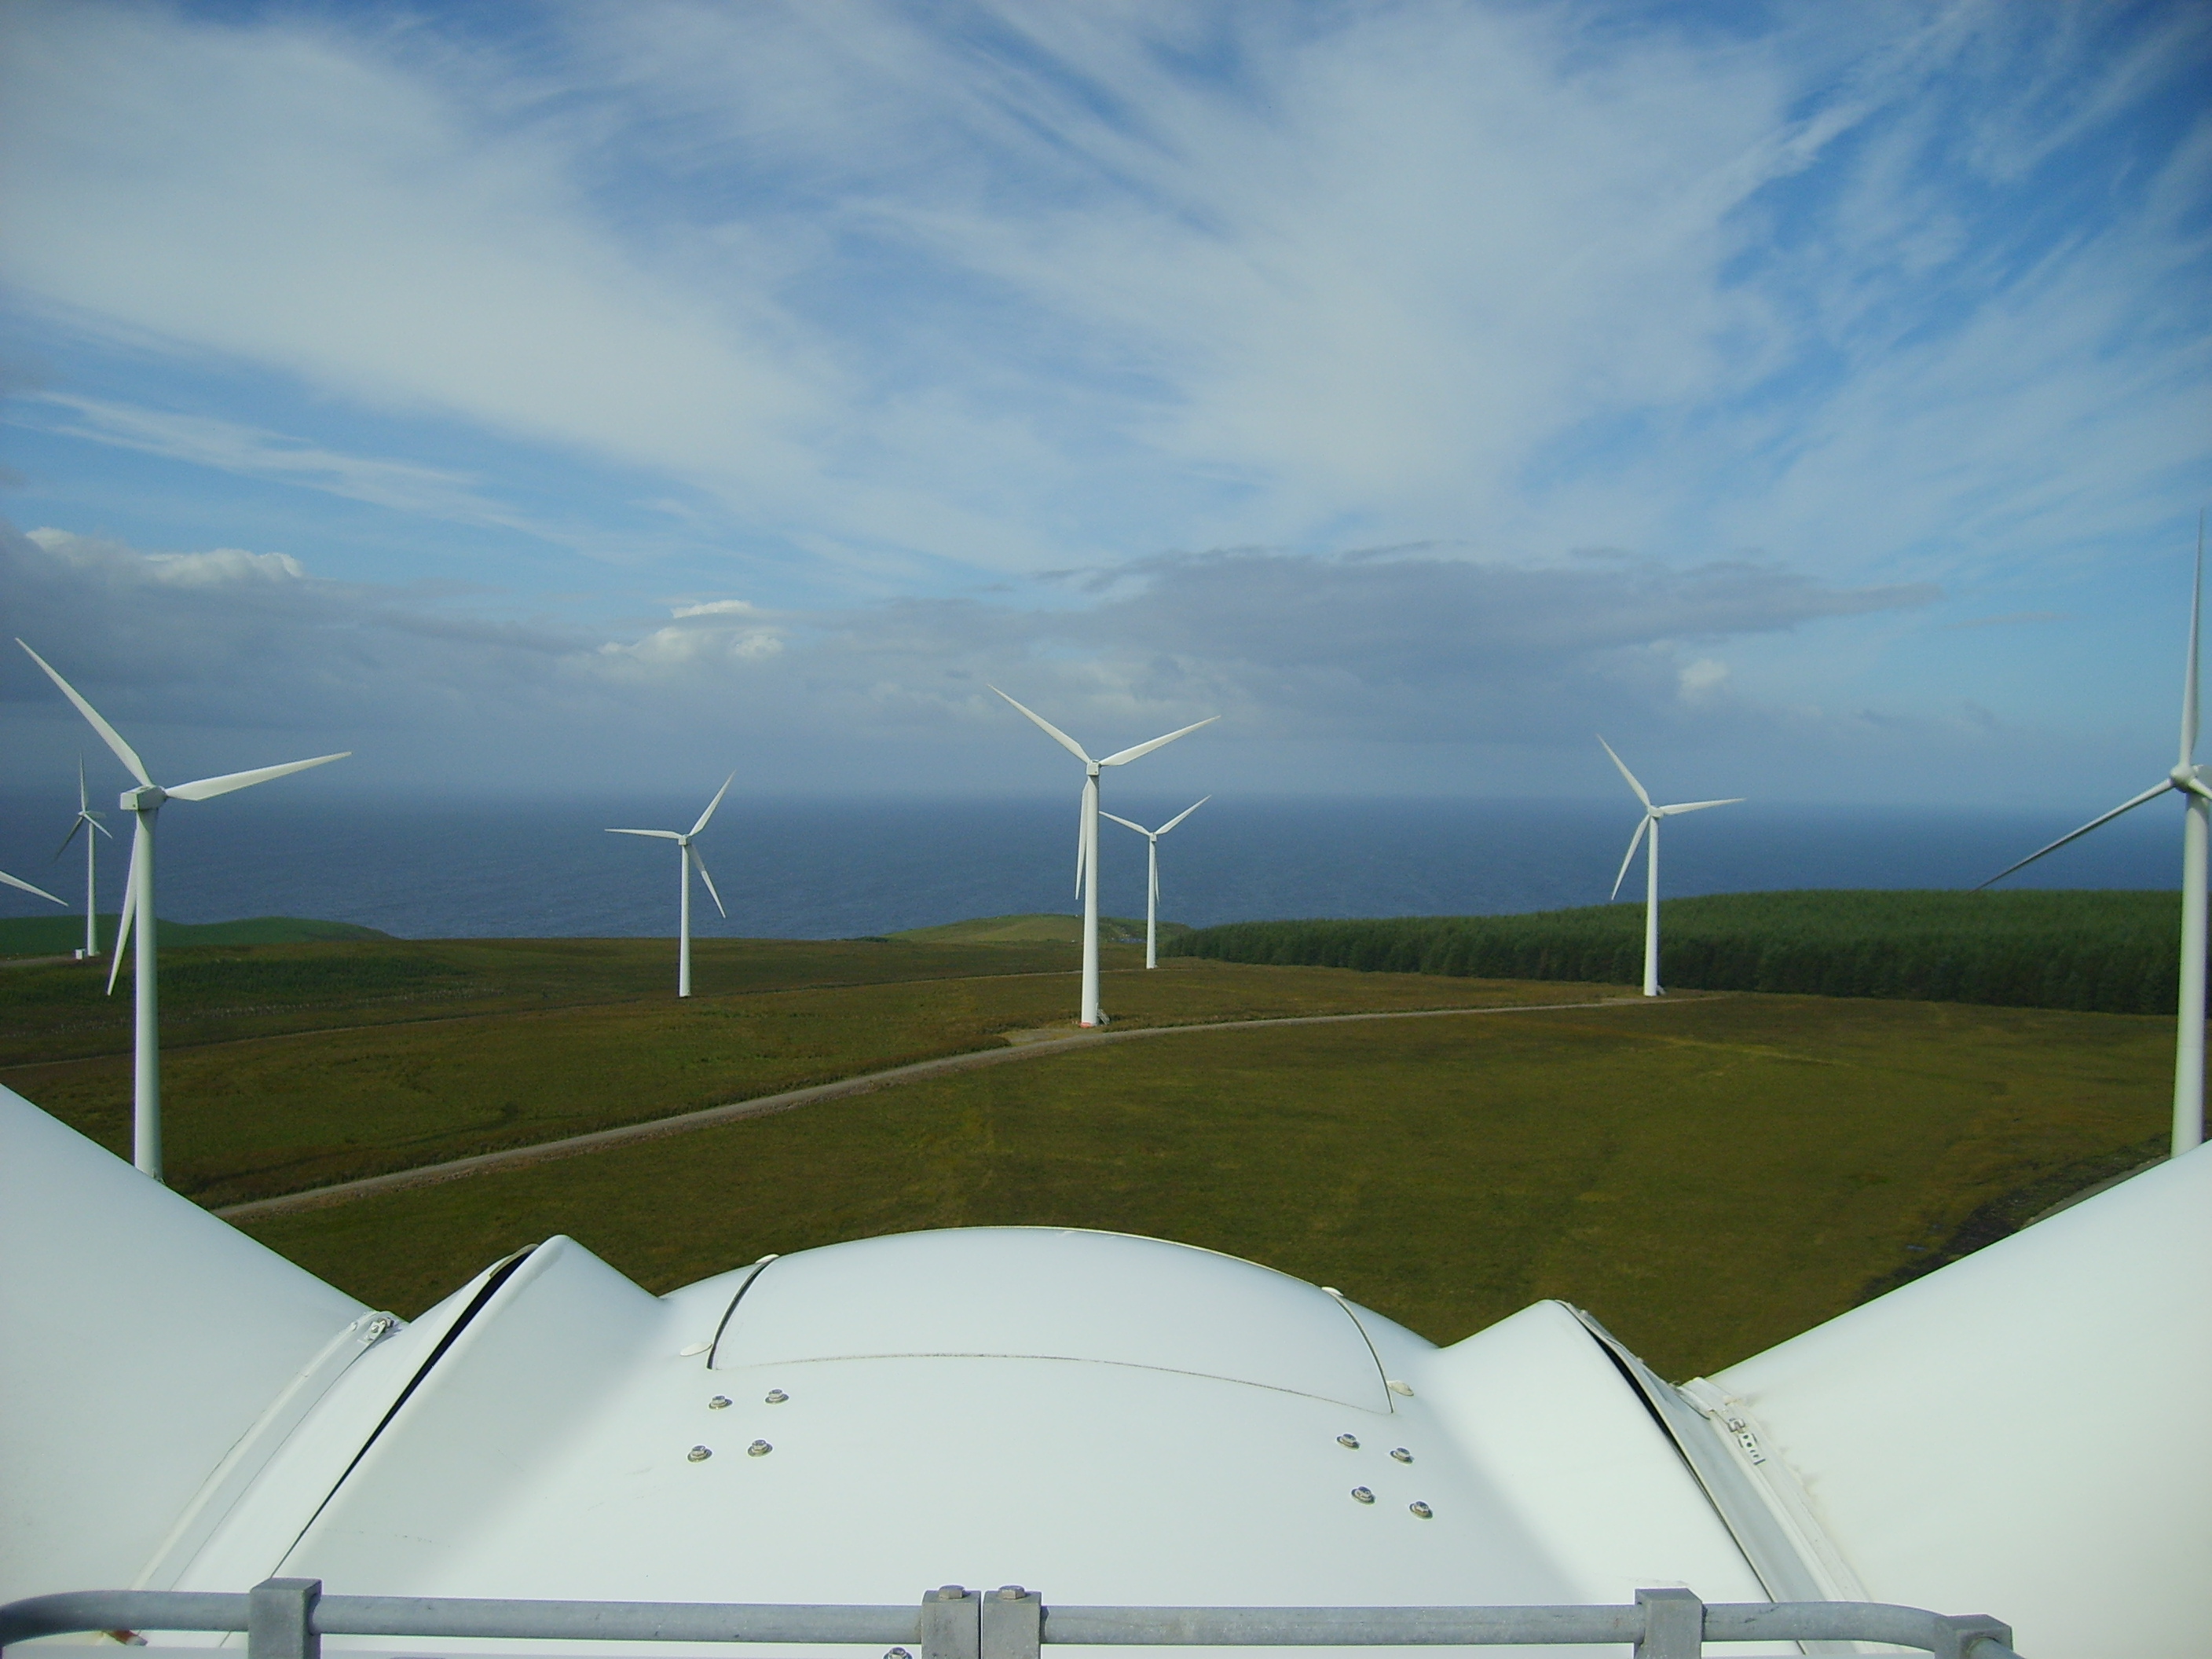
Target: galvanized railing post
(280, 1620)
(952, 1624)
(1674, 1624)
(1957, 1634)
(1013, 1623)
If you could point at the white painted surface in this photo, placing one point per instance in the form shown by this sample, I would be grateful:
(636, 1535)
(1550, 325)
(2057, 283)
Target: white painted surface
(142, 1338)
(1056, 1293)
(2026, 1432)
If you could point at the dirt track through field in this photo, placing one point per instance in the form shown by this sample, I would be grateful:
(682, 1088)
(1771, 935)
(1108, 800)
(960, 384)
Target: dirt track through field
(1021, 1047)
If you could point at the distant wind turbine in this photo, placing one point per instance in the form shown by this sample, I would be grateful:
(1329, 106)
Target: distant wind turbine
(143, 802)
(1651, 817)
(1152, 881)
(688, 859)
(88, 821)
(2186, 778)
(1086, 838)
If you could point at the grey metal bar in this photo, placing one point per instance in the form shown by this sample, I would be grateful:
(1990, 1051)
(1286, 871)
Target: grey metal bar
(70, 1611)
(1674, 1624)
(956, 1624)
(1337, 1626)
(612, 1621)
(280, 1620)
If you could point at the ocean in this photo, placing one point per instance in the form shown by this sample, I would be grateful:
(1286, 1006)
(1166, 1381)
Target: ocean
(830, 869)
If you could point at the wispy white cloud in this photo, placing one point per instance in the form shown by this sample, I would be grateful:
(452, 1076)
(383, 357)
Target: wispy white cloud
(916, 293)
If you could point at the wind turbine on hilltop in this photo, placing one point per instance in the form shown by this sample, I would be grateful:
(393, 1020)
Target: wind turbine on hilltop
(88, 821)
(1153, 880)
(1086, 838)
(688, 859)
(2186, 778)
(143, 802)
(1651, 815)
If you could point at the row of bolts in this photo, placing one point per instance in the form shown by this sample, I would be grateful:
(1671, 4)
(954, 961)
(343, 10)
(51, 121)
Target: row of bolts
(1013, 1593)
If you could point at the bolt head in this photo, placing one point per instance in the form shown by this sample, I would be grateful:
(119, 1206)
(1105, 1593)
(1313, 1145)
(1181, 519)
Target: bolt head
(952, 1593)
(698, 1454)
(1402, 1454)
(759, 1449)
(1422, 1510)
(1011, 1592)
(777, 1396)
(1349, 1442)
(720, 1402)
(1361, 1495)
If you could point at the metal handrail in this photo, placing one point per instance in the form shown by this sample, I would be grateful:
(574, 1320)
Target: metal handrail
(288, 1618)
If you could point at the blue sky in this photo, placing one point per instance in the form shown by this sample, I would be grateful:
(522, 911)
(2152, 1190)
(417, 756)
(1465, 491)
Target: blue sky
(1814, 398)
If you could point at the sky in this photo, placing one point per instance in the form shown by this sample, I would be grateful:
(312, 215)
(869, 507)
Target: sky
(1816, 400)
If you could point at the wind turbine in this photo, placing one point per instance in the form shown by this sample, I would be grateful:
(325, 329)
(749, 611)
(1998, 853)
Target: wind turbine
(142, 804)
(1086, 838)
(2187, 780)
(1651, 817)
(88, 821)
(1152, 884)
(688, 859)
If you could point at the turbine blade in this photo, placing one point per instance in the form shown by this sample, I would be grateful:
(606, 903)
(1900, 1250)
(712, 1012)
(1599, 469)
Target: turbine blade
(1104, 813)
(700, 865)
(712, 803)
(2189, 690)
(108, 734)
(1626, 773)
(1699, 805)
(123, 923)
(14, 881)
(206, 788)
(1051, 731)
(2151, 793)
(664, 834)
(80, 822)
(1629, 858)
(1082, 839)
(83, 800)
(1181, 816)
(1128, 755)
(93, 818)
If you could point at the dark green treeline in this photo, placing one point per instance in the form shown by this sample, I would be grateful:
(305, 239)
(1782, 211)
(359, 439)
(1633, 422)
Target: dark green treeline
(2099, 951)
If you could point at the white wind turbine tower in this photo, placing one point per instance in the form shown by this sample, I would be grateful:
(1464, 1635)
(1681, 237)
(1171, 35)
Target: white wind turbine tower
(688, 859)
(1152, 878)
(1086, 838)
(1651, 817)
(143, 802)
(88, 821)
(2187, 780)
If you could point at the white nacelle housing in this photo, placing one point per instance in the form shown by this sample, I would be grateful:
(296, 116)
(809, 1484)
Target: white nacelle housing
(1108, 1419)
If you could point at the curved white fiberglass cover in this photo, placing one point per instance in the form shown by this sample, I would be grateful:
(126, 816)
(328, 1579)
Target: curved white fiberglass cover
(1103, 1419)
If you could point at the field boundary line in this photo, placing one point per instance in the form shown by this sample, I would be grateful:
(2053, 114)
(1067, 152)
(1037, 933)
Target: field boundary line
(546, 1151)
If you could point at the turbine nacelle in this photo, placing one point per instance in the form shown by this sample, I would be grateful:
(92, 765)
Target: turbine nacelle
(146, 798)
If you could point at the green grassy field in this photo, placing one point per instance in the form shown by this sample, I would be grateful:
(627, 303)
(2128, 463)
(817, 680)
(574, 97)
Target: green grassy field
(1036, 929)
(2102, 951)
(368, 1059)
(1708, 1176)
(60, 933)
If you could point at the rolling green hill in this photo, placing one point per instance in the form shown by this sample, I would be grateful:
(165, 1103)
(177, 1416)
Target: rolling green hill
(2098, 951)
(1035, 930)
(58, 934)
